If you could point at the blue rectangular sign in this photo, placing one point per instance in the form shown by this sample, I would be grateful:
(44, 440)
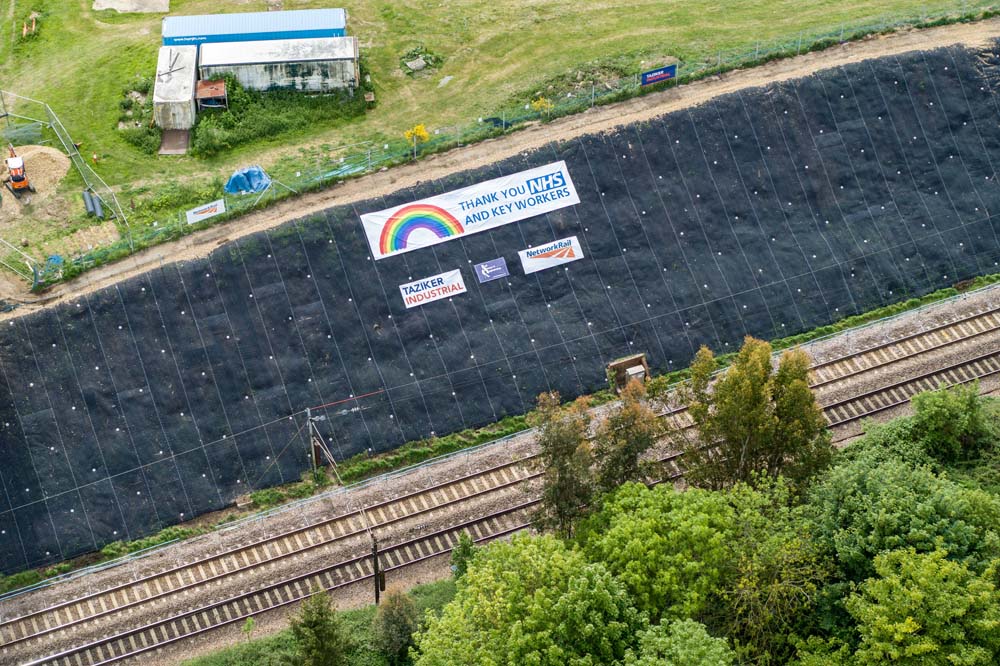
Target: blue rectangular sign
(659, 75)
(493, 269)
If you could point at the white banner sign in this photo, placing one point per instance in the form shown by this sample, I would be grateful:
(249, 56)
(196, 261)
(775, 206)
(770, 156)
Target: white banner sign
(551, 254)
(469, 210)
(433, 288)
(208, 210)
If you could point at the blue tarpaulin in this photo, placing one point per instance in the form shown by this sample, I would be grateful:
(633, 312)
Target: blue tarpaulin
(248, 180)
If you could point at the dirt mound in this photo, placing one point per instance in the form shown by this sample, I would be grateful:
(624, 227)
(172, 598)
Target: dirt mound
(45, 167)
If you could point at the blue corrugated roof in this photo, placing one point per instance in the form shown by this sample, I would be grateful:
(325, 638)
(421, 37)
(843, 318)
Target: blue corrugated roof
(254, 23)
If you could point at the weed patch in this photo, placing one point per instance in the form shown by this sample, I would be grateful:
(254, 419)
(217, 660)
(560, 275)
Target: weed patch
(255, 116)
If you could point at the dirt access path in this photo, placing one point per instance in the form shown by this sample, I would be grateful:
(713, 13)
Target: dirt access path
(480, 154)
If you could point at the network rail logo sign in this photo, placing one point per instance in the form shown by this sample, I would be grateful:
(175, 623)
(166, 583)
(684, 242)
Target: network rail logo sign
(433, 288)
(556, 253)
(469, 210)
(217, 207)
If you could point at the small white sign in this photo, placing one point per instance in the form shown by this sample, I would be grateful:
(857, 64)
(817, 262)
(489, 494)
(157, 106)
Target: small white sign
(551, 254)
(433, 288)
(210, 209)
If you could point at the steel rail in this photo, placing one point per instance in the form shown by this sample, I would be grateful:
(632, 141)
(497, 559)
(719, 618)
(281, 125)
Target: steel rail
(914, 383)
(178, 571)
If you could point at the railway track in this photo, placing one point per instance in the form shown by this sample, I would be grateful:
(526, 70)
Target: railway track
(296, 542)
(961, 330)
(899, 393)
(356, 570)
(287, 545)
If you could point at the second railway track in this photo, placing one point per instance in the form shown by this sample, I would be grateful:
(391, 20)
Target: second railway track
(104, 651)
(237, 561)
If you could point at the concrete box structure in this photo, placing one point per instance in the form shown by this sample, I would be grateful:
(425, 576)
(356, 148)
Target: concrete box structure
(254, 26)
(173, 89)
(313, 65)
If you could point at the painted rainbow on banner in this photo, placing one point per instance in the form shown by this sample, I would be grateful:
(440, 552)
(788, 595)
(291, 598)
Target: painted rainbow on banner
(408, 219)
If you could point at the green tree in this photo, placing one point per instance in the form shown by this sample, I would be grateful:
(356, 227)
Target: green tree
(462, 554)
(531, 601)
(681, 643)
(754, 421)
(924, 610)
(774, 575)
(318, 635)
(395, 623)
(950, 423)
(669, 548)
(861, 509)
(565, 458)
(630, 430)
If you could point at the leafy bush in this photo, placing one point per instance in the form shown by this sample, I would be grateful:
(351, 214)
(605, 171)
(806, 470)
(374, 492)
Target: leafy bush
(19, 580)
(172, 533)
(268, 497)
(318, 634)
(431, 59)
(253, 116)
(886, 442)
(300, 490)
(860, 510)
(532, 601)
(950, 423)
(462, 554)
(395, 623)
(681, 643)
(668, 548)
(923, 610)
(135, 121)
(417, 134)
(146, 138)
(362, 466)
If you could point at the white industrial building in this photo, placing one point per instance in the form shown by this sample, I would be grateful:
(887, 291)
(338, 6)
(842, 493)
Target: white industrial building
(173, 89)
(313, 65)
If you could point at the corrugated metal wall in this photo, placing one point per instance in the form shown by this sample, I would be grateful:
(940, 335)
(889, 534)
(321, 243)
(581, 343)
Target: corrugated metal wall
(297, 24)
(314, 76)
(174, 115)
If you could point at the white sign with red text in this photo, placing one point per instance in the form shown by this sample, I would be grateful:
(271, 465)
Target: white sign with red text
(551, 254)
(433, 288)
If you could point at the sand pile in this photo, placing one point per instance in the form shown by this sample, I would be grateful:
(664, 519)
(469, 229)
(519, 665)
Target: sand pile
(45, 167)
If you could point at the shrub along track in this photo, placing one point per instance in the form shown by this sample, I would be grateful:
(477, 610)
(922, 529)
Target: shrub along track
(46, 631)
(600, 119)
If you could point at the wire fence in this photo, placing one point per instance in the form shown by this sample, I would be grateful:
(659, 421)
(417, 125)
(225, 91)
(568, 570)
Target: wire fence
(25, 119)
(370, 156)
(366, 157)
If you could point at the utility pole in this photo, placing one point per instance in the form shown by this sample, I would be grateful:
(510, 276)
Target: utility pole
(379, 576)
(319, 446)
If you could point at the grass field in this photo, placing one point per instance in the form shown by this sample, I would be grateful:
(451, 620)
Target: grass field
(498, 54)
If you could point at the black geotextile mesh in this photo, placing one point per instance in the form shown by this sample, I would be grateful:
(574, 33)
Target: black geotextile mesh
(765, 212)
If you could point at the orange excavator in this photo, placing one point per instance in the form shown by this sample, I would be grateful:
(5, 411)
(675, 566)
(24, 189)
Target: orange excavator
(17, 178)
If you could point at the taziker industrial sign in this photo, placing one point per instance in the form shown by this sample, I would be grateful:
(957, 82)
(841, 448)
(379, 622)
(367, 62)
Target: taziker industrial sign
(551, 254)
(469, 210)
(659, 75)
(433, 288)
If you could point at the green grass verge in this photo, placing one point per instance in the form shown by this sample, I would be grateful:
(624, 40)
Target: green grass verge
(275, 649)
